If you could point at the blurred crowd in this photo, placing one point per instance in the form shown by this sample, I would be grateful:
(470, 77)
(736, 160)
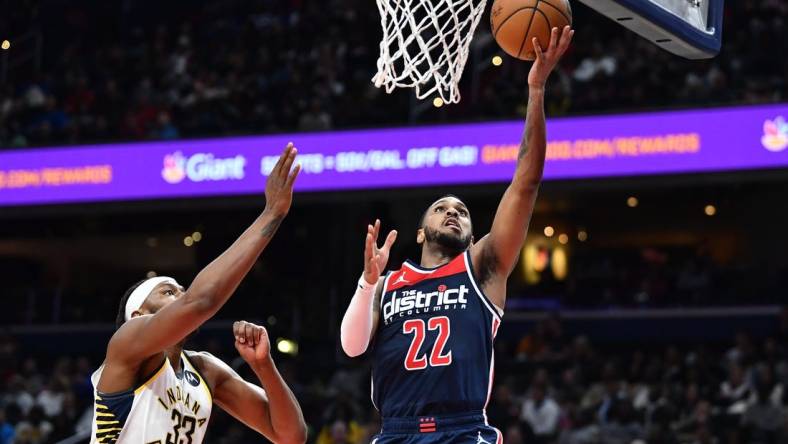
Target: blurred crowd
(108, 71)
(564, 390)
(555, 390)
(597, 278)
(665, 277)
(114, 71)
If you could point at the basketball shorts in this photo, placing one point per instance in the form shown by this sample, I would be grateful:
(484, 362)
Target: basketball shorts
(470, 428)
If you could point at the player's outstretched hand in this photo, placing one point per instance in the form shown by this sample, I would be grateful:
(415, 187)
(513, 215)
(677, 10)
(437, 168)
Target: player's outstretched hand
(252, 342)
(546, 60)
(376, 258)
(279, 186)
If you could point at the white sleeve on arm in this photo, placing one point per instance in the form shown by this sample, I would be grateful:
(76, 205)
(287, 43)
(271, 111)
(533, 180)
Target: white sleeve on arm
(357, 324)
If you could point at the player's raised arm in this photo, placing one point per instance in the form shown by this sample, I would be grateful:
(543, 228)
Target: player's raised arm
(272, 410)
(363, 313)
(146, 335)
(501, 248)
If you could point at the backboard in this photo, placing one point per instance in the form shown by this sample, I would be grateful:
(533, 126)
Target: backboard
(688, 28)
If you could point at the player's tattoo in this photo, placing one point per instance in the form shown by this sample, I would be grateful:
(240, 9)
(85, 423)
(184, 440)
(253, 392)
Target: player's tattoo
(376, 301)
(488, 262)
(523, 145)
(529, 129)
(534, 122)
(270, 228)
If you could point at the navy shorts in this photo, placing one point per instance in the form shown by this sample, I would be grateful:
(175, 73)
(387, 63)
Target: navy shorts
(471, 428)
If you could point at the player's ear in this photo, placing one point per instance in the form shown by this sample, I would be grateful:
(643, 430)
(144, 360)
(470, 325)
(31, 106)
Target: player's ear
(420, 237)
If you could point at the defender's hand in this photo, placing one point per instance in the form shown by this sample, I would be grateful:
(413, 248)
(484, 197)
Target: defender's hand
(546, 61)
(375, 259)
(252, 342)
(279, 185)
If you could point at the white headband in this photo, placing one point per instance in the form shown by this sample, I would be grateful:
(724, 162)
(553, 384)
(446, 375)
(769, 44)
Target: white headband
(141, 293)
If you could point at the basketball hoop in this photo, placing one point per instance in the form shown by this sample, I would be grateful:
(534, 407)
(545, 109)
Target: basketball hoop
(425, 45)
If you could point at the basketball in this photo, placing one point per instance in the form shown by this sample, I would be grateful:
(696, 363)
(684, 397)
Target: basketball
(515, 23)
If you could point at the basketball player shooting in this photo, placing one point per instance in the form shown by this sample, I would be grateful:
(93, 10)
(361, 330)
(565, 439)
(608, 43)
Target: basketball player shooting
(150, 390)
(430, 326)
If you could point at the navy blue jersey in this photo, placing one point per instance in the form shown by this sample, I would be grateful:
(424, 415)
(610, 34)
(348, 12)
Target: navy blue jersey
(433, 349)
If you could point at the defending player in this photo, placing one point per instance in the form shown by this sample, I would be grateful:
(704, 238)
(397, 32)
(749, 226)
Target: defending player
(431, 326)
(149, 390)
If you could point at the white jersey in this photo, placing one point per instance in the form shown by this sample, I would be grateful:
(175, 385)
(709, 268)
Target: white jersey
(167, 408)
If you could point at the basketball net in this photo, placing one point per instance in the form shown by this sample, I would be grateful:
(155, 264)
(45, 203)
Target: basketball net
(425, 45)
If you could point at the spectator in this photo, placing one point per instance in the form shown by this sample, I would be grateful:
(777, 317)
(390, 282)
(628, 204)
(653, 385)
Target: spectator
(341, 425)
(513, 434)
(734, 392)
(764, 421)
(532, 345)
(584, 429)
(165, 130)
(743, 352)
(697, 423)
(51, 398)
(18, 395)
(613, 390)
(315, 118)
(503, 409)
(541, 413)
(622, 427)
(340, 432)
(6, 429)
(34, 430)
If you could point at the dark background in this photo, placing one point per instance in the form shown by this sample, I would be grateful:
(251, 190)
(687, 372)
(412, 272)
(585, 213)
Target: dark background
(667, 328)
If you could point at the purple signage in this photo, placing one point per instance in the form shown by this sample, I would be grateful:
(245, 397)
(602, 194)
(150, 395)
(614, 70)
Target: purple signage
(586, 147)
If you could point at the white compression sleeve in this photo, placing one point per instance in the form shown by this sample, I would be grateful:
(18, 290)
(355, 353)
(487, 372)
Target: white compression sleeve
(356, 327)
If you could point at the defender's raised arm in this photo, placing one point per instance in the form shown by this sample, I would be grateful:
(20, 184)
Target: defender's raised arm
(212, 287)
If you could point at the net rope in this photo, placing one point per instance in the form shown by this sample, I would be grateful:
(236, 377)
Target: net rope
(425, 45)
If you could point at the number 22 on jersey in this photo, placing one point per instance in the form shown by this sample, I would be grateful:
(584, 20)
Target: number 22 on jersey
(437, 357)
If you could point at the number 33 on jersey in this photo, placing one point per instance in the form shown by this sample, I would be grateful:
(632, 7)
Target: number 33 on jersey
(168, 408)
(433, 351)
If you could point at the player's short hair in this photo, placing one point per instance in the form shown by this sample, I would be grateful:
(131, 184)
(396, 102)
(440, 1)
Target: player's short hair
(121, 319)
(424, 215)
